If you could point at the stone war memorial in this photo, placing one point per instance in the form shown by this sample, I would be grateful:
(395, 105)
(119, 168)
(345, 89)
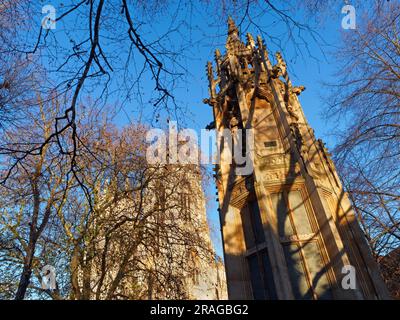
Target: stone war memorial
(288, 228)
(190, 159)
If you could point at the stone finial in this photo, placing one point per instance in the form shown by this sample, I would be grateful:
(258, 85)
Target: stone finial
(250, 40)
(279, 58)
(260, 42)
(210, 72)
(232, 28)
(280, 62)
(212, 83)
(217, 54)
(233, 42)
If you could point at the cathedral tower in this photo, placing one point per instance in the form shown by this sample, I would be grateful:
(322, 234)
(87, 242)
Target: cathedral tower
(288, 228)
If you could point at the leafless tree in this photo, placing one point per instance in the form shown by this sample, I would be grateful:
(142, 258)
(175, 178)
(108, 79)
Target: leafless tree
(116, 225)
(107, 48)
(367, 103)
(135, 232)
(33, 195)
(19, 72)
(145, 230)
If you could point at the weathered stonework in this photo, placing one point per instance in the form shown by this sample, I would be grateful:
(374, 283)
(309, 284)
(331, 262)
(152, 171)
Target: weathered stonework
(288, 228)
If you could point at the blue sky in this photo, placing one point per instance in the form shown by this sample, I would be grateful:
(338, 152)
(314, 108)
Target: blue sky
(200, 29)
(307, 71)
(304, 70)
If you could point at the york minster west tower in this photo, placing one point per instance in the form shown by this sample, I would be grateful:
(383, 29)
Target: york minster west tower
(288, 228)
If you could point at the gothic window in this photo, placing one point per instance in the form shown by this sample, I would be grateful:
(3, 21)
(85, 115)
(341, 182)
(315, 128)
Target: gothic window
(252, 224)
(256, 222)
(301, 246)
(262, 282)
(260, 271)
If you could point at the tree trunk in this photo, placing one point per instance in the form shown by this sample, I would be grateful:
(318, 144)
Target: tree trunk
(26, 274)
